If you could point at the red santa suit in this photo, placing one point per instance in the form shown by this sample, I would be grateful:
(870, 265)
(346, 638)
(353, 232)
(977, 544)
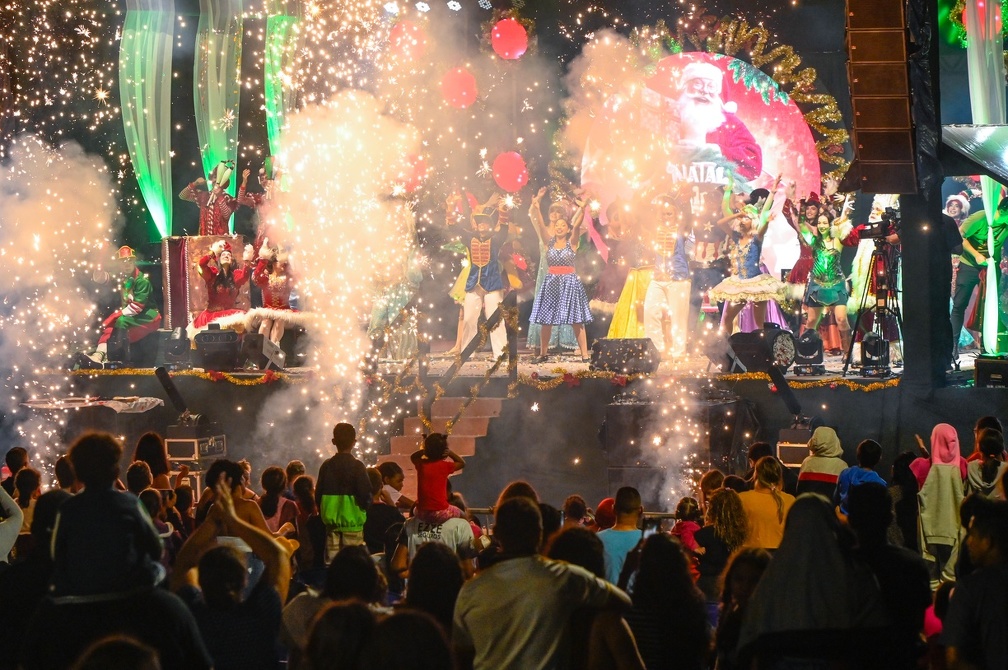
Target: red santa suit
(738, 145)
(214, 216)
(221, 295)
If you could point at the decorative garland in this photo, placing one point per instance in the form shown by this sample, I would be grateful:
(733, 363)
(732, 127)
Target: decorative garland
(833, 382)
(267, 377)
(956, 19)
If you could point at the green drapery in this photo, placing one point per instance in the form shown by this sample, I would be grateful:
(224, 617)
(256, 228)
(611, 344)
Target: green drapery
(284, 41)
(145, 57)
(217, 84)
(985, 60)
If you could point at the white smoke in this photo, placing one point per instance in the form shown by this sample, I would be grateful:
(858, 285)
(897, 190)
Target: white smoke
(57, 211)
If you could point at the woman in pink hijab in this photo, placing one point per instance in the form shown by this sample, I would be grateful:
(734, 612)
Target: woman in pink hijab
(940, 496)
(944, 450)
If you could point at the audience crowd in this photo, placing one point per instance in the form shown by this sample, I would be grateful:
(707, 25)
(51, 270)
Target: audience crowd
(832, 566)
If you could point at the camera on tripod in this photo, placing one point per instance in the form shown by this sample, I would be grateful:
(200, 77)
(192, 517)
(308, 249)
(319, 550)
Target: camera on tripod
(888, 225)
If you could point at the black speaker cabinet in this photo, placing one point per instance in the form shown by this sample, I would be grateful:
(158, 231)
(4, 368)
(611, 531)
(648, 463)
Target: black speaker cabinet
(625, 355)
(991, 372)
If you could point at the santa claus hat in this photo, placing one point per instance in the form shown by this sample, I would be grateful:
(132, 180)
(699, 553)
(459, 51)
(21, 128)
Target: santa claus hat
(961, 199)
(125, 253)
(812, 199)
(226, 247)
(706, 70)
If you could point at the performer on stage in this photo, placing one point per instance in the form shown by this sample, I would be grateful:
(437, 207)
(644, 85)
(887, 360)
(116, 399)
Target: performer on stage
(484, 288)
(666, 303)
(708, 264)
(223, 282)
(975, 262)
(561, 299)
(272, 275)
(747, 283)
(269, 176)
(137, 315)
(216, 205)
(827, 285)
(957, 206)
(562, 337)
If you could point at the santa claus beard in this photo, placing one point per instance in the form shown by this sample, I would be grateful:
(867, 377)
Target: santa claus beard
(697, 117)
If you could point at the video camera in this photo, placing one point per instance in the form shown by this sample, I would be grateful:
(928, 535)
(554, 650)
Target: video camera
(888, 225)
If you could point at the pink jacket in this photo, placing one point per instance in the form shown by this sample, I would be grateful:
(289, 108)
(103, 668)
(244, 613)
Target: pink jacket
(944, 450)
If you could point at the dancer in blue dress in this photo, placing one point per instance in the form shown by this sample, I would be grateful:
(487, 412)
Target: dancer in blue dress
(562, 298)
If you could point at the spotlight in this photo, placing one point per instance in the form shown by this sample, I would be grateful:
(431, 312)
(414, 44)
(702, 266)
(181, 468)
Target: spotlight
(809, 354)
(875, 356)
(218, 349)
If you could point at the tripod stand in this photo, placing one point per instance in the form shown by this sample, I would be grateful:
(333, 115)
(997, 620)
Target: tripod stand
(883, 266)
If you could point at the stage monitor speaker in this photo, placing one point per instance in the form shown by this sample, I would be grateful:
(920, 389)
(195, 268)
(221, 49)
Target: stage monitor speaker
(880, 96)
(218, 349)
(792, 445)
(625, 355)
(990, 372)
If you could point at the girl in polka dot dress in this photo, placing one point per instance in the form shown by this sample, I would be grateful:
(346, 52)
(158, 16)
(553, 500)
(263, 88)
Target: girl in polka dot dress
(561, 298)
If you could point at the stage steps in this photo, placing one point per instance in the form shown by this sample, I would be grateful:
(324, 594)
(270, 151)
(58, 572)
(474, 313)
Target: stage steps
(473, 424)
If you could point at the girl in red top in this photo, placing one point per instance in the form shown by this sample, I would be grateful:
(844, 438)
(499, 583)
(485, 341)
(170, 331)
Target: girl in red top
(434, 462)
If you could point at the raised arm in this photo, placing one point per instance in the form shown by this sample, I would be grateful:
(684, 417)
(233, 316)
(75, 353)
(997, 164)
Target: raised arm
(576, 220)
(764, 216)
(458, 460)
(535, 213)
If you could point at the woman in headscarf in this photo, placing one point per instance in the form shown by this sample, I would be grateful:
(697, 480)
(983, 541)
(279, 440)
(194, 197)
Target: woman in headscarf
(940, 496)
(822, 467)
(816, 605)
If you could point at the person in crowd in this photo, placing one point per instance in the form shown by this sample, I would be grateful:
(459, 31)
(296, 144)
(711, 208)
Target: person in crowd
(766, 506)
(343, 493)
(436, 577)
(237, 614)
(337, 636)
(154, 503)
(725, 531)
(758, 450)
(294, 469)
(598, 639)
(934, 618)
(742, 573)
(138, 477)
(903, 489)
(943, 451)
(66, 478)
(151, 449)
(455, 532)
(393, 479)
(515, 613)
(901, 574)
(184, 508)
(407, 640)
(434, 463)
(940, 497)
(869, 453)
(976, 627)
(27, 489)
(815, 604)
(381, 515)
(245, 506)
(822, 467)
(10, 527)
(15, 459)
(710, 482)
(688, 519)
(103, 541)
(736, 483)
(669, 618)
(279, 512)
(625, 533)
(552, 522)
(984, 473)
(984, 422)
(605, 514)
(311, 533)
(352, 575)
(575, 510)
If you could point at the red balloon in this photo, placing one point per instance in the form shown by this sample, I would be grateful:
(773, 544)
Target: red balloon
(510, 171)
(414, 173)
(408, 40)
(458, 87)
(509, 39)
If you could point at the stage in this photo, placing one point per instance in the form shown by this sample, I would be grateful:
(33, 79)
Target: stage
(565, 427)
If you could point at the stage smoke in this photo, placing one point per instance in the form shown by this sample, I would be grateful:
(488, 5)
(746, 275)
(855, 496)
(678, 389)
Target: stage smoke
(57, 212)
